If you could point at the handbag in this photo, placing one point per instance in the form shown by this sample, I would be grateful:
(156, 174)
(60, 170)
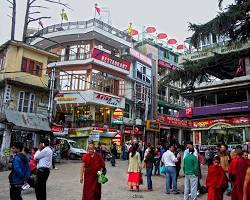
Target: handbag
(101, 178)
(163, 170)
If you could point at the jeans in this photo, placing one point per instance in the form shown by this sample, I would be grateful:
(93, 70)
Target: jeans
(191, 183)
(40, 188)
(229, 188)
(149, 179)
(15, 192)
(171, 172)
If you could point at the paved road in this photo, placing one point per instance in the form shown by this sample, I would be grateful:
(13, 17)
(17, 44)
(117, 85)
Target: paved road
(63, 184)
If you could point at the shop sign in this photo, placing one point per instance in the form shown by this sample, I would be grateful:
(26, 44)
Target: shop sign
(131, 131)
(57, 128)
(95, 137)
(117, 139)
(140, 56)
(152, 126)
(189, 112)
(117, 117)
(66, 98)
(169, 120)
(232, 121)
(111, 59)
(103, 98)
(102, 129)
(165, 64)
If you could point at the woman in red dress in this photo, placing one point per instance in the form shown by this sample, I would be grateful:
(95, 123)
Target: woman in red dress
(92, 163)
(216, 180)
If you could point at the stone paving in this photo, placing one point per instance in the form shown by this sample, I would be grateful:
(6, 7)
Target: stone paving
(63, 184)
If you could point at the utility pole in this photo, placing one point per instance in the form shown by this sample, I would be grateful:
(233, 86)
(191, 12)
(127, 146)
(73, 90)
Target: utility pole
(13, 18)
(26, 19)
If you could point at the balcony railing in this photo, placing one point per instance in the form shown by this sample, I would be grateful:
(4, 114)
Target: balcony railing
(84, 25)
(75, 56)
(172, 101)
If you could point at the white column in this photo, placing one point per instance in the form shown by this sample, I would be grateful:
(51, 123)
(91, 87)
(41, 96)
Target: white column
(180, 135)
(6, 138)
(92, 111)
(244, 135)
(36, 139)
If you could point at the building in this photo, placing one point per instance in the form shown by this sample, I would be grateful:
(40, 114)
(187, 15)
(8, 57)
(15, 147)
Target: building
(94, 78)
(24, 93)
(220, 112)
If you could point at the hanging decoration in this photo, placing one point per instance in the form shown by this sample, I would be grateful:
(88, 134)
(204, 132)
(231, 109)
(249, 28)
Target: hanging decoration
(134, 32)
(150, 29)
(180, 46)
(172, 41)
(162, 36)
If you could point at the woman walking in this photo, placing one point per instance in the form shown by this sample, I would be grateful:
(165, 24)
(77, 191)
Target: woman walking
(134, 168)
(149, 160)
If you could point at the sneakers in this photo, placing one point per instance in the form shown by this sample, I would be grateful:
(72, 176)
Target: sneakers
(176, 192)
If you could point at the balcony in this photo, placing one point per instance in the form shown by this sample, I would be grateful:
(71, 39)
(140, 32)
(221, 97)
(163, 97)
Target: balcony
(240, 107)
(172, 102)
(81, 30)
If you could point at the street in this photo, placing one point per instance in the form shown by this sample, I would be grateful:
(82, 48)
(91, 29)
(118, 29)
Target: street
(64, 184)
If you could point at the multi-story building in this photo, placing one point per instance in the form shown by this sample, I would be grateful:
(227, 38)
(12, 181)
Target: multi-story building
(167, 99)
(94, 77)
(220, 112)
(24, 93)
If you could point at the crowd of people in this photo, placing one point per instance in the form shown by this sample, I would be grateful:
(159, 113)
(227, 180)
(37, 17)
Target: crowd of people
(227, 171)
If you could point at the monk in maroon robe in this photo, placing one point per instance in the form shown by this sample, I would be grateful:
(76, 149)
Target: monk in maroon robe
(216, 181)
(246, 189)
(92, 163)
(240, 173)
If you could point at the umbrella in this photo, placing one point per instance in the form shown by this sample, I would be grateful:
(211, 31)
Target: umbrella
(162, 36)
(172, 41)
(180, 46)
(134, 32)
(150, 29)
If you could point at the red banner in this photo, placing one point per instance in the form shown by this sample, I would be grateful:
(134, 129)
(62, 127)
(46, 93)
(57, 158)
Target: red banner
(165, 64)
(232, 121)
(111, 59)
(57, 128)
(169, 120)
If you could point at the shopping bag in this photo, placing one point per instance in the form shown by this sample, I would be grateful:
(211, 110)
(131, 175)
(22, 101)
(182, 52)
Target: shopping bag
(163, 170)
(102, 178)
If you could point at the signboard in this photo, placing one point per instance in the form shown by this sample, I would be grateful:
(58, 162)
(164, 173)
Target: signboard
(209, 122)
(107, 99)
(117, 139)
(130, 131)
(94, 137)
(165, 64)
(117, 117)
(169, 120)
(140, 56)
(153, 126)
(66, 98)
(189, 112)
(56, 128)
(111, 59)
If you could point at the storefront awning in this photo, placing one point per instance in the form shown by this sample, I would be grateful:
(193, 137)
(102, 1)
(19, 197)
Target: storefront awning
(28, 121)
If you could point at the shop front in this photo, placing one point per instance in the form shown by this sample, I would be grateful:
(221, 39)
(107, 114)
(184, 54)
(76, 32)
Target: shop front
(231, 131)
(152, 132)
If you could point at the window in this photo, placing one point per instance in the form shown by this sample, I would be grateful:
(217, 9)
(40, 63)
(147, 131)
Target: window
(127, 110)
(31, 66)
(26, 102)
(2, 63)
(143, 72)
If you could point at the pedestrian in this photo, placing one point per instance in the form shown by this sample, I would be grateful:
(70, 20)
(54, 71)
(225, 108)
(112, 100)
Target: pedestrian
(246, 188)
(178, 163)
(157, 160)
(216, 181)
(239, 175)
(20, 171)
(114, 154)
(224, 162)
(91, 164)
(191, 170)
(209, 155)
(149, 160)
(134, 168)
(44, 158)
(100, 151)
(169, 160)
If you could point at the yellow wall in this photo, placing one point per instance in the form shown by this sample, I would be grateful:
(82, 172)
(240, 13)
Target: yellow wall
(13, 63)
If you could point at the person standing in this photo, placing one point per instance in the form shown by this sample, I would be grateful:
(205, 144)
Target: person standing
(190, 147)
(191, 170)
(149, 160)
(91, 164)
(209, 155)
(20, 171)
(224, 162)
(134, 168)
(216, 181)
(44, 159)
(169, 160)
(114, 154)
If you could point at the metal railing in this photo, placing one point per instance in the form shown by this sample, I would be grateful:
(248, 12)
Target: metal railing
(83, 25)
(175, 102)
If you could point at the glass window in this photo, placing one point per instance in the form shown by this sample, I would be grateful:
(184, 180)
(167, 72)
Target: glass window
(127, 110)
(32, 103)
(2, 62)
(20, 101)
(26, 102)
(143, 72)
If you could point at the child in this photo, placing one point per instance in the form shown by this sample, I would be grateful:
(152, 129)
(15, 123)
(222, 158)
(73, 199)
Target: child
(216, 180)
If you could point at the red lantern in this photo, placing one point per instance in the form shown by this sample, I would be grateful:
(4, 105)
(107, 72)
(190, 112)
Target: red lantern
(134, 32)
(172, 41)
(180, 46)
(150, 29)
(162, 36)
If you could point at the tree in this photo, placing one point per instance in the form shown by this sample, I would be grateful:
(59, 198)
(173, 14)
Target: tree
(31, 4)
(233, 21)
(13, 23)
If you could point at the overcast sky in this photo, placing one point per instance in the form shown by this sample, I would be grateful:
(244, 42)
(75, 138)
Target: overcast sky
(168, 16)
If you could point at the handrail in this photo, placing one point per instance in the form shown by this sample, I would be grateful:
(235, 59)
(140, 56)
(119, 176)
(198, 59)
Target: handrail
(83, 25)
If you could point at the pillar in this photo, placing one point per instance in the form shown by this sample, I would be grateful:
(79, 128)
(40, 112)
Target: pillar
(92, 111)
(180, 135)
(6, 138)
(36, 139)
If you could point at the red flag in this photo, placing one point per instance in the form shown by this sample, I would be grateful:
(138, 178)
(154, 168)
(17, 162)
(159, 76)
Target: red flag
(98, 9)
(40, 23)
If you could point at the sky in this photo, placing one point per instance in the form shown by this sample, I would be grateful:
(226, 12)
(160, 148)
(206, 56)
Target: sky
(167, 16)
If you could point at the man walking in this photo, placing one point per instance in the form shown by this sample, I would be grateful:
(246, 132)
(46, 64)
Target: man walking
(20, 171)
(169, 160)
(190, 170)
(43, 169)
